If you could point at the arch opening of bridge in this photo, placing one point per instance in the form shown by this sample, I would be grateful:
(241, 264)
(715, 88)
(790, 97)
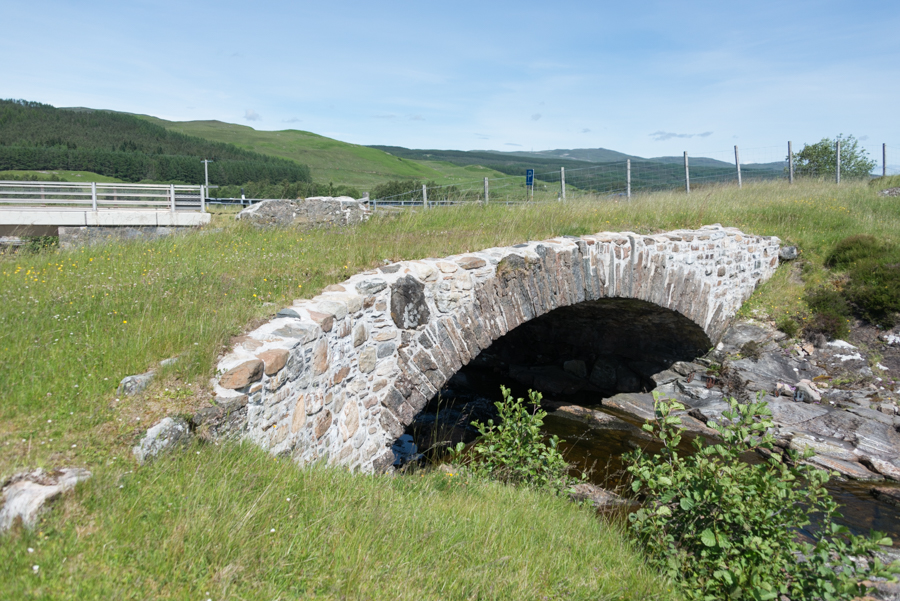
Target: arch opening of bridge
(339, 377)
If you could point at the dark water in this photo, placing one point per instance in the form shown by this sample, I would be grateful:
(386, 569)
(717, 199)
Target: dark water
(599, 452)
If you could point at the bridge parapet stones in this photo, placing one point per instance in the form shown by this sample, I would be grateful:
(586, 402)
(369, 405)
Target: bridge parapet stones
(338, 377)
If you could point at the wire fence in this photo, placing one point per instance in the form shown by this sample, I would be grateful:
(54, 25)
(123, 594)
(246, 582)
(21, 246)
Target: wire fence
(622, 178)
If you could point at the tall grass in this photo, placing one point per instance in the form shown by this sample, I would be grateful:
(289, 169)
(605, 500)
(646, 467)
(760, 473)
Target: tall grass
(232, 523)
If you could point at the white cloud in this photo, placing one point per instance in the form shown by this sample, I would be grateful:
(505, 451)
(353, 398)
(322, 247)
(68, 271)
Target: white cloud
(662, 136)
(251, 115)
(535, 116)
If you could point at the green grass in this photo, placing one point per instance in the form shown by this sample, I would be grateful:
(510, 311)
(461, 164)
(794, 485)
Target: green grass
(73, 323)
(232, 523)
(329, 160)
(63, 176)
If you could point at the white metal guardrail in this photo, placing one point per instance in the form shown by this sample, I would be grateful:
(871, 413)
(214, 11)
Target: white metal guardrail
(98, 197)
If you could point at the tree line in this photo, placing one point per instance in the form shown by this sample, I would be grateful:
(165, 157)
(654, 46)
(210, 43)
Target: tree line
(39, 136)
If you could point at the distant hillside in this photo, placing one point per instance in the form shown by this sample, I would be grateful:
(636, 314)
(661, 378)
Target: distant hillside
(504, 162)
(329, 160)
(591, 155)
(36, 136)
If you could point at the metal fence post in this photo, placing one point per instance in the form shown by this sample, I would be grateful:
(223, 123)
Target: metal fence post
(883, 160)
(172, 196)
(562, 181)
(837, 171)
(790, 164)
(687, 174)
(94, 195)
(424, 196)
(485, 190)
(202, 199)
(737, 161)
(627, 178)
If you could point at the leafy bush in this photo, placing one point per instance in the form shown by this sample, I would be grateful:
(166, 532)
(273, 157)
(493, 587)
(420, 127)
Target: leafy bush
(831, 313)
(725, 529)
(514, 450)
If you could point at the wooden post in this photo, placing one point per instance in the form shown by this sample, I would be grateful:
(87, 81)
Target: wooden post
(687, 174)
(837, 171)
(790, 164)
(737, 161)
(485, 190)
(884, 160)
(424, 196)
(172, 196)
(94, 195)
(562, 181)
(627, 178)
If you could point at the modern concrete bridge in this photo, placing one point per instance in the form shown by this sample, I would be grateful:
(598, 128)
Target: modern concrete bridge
(338, 377)
(54, 208)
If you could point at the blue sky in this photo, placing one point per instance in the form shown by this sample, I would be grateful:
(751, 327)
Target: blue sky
(646, 78)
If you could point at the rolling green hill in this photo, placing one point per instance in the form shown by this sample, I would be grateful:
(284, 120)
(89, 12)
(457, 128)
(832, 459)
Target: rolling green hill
(329, 160)
(35, 136)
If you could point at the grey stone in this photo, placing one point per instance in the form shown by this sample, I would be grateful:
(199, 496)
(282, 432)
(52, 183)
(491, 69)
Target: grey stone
(408, 307)
(788, 253)
(304, 332)
(162, 437)
(132, 385)
(596, 496)
(850, 469)
(25, 494)
(371, 286)
(318, 211)
(792, 413)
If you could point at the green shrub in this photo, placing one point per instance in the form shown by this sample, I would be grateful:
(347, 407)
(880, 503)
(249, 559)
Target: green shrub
(874, 287)
(725, 529)
(854, 248)
(788, 325)
(514, 451)
(830, 313)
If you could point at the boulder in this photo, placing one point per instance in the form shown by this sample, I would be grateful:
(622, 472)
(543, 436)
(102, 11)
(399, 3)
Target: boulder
(24, 495)
(313, 212)
(162, 437)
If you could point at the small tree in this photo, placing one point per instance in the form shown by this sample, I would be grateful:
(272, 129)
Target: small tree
(819, 159)
(723, 528)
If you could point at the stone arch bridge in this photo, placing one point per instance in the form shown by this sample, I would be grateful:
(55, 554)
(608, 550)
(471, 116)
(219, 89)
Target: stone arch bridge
(338, 377)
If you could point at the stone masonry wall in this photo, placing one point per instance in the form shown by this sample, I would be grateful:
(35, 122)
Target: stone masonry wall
(338, 377)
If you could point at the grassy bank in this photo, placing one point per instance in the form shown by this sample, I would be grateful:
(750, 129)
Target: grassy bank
(231, 523)
(74, 323)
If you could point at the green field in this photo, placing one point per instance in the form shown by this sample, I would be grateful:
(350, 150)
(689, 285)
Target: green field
(329, 160)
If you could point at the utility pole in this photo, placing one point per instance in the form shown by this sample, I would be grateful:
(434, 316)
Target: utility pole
(206, 163)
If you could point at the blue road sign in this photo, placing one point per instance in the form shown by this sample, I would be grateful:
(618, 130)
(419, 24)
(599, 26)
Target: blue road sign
(529, 177)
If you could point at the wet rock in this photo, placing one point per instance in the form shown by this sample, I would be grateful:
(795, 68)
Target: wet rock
(162, 437)
(836, 449)
(591, 417)
(886, 494)
(637, 404)
(849, 469)
(25, 494)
